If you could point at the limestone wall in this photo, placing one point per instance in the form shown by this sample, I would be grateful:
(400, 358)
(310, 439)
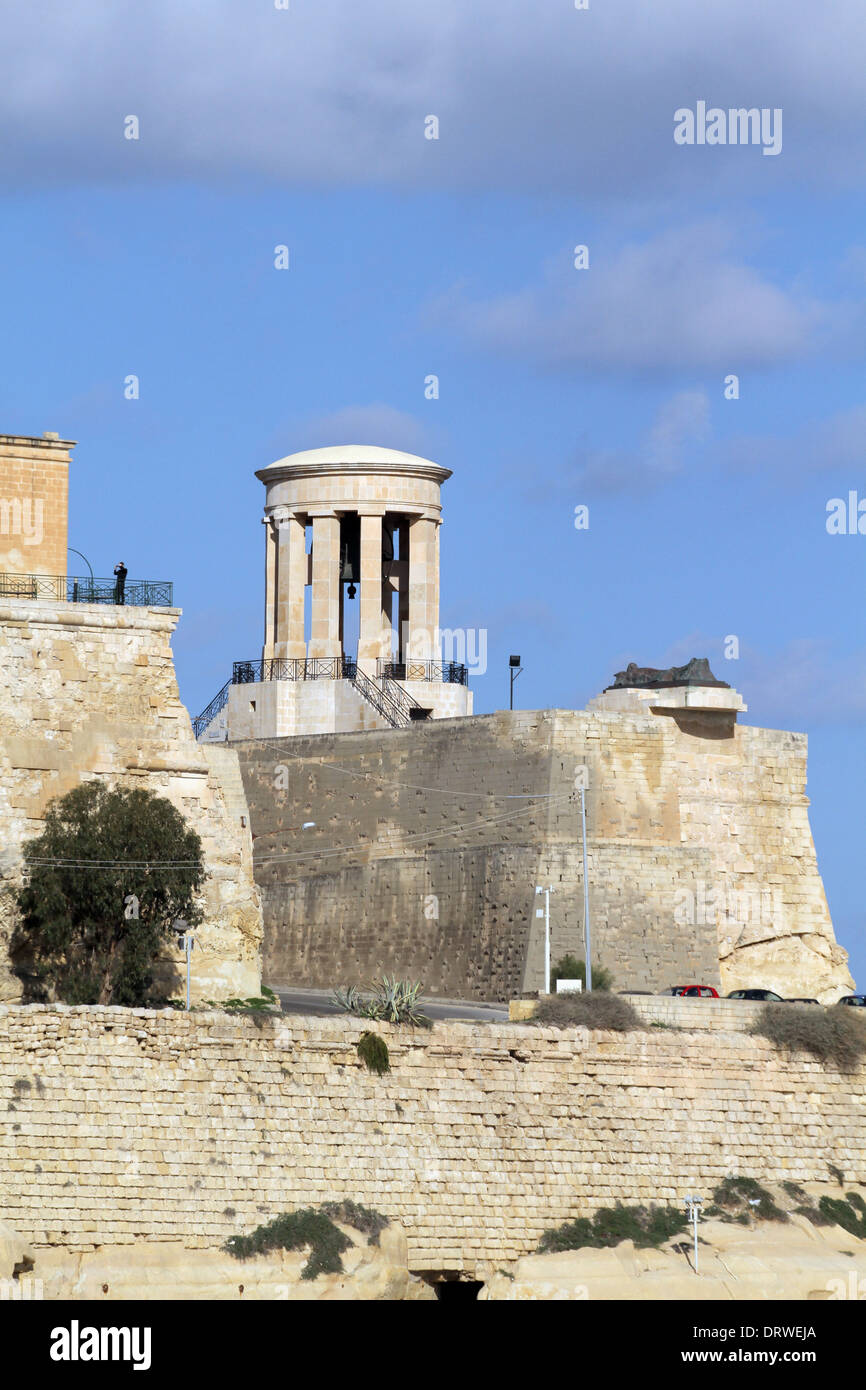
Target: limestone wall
(286, 708)
(119, 1125)
(89, 690)
(715, 1015)
(429, 843)
(34, 501)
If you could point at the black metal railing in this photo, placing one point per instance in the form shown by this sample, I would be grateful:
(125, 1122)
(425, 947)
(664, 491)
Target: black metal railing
(217, 704)
(406, 703)
(381, 701)
(387, 697)
(451, 672)
(287, 668)
(138, 593)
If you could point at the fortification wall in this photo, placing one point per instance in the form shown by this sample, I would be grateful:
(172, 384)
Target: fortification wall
(429, 843)
(119, 1125)
(88, 691)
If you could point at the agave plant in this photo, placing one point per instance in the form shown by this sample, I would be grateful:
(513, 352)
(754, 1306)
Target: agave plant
(391, 1001)
(398, 1000)
(347, 999)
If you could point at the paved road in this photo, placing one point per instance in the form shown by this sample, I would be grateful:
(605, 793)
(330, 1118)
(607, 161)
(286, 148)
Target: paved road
(318, 1001)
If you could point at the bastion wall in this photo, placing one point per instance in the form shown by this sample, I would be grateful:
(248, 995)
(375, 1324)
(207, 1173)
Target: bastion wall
(427, 846)
(125, 1125)
(89, 691)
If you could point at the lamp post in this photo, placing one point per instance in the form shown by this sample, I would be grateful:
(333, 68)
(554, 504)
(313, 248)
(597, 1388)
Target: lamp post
(185, 942)
(585, 893)
(73, 551)
(545, 913)
(693, 1211)
(515, 669)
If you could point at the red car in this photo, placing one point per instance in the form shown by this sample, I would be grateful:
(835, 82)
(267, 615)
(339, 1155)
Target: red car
(697, 992)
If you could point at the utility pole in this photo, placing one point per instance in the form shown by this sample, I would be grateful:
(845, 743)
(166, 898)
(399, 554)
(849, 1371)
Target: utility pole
(545, 913)
(185, 942)
(585, 893)
(693, 1211)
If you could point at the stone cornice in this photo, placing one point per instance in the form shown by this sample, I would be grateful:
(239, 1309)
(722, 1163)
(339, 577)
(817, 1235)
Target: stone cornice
(280, 473)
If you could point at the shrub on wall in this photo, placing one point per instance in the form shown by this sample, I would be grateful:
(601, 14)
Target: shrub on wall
(646, 1226)
(313, 1229)
(110, 873)
(835, 1035)
(850, 1214)
(735, 1199)
(572, 968)
(593, 1010)
(373, 1052)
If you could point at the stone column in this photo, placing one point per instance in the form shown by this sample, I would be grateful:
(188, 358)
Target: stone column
(403, 593)
(422, 562)
(370, 634)
(435, 648)
(291, 581)
(325, 621)
(270, 587)
(387, 618)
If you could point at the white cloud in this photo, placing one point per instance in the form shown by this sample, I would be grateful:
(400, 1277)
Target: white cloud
(680, 426)
(835, 443)
(529, 95)
(681, 421)
(679, 301)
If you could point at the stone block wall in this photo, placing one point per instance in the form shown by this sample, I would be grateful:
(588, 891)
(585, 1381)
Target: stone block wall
(34, 504)
(697, 1015)
(288, 708)
(429, 844)
(89, 690)
(124, 1125)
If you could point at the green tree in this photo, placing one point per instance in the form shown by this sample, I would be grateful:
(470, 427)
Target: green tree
(570, 968)
(107, 877)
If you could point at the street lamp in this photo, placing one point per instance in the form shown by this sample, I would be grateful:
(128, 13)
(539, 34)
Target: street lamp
(585, 893)
(185, 943)
(545, 913)
(693, 1211)
(514, 670)
(73, 551)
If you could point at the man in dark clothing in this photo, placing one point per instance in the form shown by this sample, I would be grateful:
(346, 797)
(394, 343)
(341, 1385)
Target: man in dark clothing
(120, 582)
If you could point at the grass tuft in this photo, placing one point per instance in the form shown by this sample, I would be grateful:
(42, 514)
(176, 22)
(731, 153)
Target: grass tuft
(835, 1035)
(602, 1010)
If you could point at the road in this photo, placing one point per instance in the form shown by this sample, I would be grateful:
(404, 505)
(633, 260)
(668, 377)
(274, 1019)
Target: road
(318, 1001)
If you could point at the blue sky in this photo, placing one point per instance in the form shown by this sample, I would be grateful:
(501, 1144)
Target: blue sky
(558, 386)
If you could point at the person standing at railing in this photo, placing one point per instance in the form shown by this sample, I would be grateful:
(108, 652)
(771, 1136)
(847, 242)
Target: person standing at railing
(120, 572)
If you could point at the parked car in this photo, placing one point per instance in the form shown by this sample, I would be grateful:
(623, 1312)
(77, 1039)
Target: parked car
(765, 996)
(858, 1000)
(697, 992)
(802, 1001)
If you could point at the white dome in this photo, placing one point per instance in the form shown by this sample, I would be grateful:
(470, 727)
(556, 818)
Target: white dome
(352, 456)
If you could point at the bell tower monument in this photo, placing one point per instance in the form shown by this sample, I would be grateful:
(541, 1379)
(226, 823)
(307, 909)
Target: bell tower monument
(346, 525)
